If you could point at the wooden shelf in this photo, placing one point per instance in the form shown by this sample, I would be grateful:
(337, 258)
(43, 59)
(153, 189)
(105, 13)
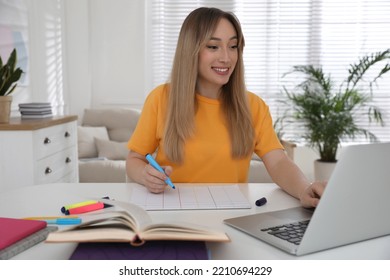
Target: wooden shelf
(18, 123)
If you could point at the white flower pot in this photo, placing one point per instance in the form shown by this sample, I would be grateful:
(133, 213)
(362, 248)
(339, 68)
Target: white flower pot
(323, 170)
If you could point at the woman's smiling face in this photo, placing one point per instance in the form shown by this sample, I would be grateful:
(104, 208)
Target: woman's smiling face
(218, 58)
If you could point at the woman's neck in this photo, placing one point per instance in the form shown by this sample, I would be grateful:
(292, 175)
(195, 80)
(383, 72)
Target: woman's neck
(209, 92)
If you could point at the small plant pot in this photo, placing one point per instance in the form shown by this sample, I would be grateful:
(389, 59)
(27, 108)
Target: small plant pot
(323, 170)
(5, 108)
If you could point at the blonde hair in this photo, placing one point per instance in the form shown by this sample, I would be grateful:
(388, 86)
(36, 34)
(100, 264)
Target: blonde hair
(195, 32)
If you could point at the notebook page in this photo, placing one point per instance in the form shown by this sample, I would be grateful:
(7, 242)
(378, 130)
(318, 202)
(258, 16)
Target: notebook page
(190, 197)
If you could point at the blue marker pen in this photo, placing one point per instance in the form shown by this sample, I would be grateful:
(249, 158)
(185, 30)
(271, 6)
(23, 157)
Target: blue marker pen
(154, 163)
(65, 221)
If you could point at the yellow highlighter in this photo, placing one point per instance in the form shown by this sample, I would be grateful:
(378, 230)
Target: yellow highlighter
(79, 204)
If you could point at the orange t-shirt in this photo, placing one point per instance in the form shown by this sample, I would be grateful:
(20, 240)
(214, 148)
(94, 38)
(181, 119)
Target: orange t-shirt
(207, 155)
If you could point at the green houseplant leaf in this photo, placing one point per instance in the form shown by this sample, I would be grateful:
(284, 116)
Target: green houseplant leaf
(9, 74)
(329, 114)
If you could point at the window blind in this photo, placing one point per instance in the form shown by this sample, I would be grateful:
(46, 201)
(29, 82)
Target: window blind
(280, 34)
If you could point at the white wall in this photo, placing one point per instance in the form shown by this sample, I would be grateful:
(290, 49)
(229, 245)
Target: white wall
(38, 27)
(77, 46)
(105, 53)
(80, 53)
(117, 49)
(14, 33)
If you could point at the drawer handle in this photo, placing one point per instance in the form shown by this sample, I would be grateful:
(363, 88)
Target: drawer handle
(48, 170)
(68, 160)
(67, 134)
(47, 141)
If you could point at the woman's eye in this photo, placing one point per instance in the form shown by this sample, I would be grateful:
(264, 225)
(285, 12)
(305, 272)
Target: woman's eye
(234, 47)
(212, 47)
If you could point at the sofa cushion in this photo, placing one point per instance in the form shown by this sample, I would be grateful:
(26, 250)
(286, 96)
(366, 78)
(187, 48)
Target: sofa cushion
(86, 140)
(111, 149)
(256, 157)
(120, 122)
(258, 173)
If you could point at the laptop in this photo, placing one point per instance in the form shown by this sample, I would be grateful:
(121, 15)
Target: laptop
(354, 207)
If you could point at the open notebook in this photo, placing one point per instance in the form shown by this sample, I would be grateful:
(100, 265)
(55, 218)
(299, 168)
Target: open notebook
(354, 207)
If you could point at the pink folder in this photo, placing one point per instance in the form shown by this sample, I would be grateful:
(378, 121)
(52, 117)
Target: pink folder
(13, 230)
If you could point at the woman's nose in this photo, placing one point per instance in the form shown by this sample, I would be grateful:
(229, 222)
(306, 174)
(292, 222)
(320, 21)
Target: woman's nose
(224, 55)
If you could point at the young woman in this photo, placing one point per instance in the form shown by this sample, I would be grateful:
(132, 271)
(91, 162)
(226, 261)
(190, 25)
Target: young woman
(204, 125)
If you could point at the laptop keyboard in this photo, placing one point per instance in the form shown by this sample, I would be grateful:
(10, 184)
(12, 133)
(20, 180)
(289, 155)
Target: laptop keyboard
(292, 232)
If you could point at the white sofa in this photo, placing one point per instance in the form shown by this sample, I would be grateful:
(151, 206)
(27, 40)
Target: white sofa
(102, 139)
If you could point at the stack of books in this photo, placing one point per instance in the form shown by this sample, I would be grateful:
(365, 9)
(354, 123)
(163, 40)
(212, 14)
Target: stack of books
(35, 110)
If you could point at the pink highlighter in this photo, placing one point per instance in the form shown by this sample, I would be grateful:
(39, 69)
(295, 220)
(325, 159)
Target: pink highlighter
(86, 208)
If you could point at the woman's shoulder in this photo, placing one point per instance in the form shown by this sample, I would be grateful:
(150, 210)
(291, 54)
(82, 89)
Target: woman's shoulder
(255, 100)
(159, 93)
(258, 107)
(159, 90)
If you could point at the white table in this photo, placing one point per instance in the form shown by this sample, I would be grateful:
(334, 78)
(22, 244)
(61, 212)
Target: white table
(46, 200)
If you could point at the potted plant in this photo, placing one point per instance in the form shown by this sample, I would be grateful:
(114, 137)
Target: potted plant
(330, 114)
(9, 75)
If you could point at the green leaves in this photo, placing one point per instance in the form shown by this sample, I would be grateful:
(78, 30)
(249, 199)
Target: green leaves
(357, 71)
(9, 74)
(330, 116)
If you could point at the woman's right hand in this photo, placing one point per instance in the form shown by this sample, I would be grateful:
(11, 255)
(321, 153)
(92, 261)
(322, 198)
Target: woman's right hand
(154, 180)
(140, 171)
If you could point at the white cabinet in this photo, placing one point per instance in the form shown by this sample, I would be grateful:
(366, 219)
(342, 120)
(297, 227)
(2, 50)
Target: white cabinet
(38, 152)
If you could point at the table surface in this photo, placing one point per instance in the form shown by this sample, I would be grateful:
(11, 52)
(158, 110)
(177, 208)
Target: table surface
(46, 200)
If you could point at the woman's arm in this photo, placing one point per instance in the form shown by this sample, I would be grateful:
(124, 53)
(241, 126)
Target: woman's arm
(287, 175)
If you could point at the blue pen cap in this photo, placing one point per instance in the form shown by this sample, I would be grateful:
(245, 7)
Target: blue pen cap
(261, 201)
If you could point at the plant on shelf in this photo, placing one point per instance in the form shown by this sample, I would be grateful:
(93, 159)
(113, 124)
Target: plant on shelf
(9, 75)
(330, 114)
